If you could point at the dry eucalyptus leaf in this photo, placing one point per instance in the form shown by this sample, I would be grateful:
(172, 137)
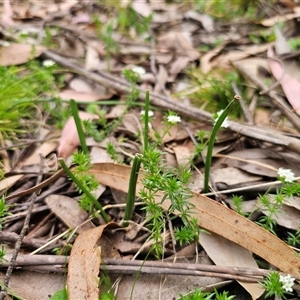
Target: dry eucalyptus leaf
(287, 216)
(81, 85)
(45, 149)
(289, 84)
(92, 60)
(184, 154)
(84, 264)
(69, 211)
(150, 286)
(16, 54)
(69, 94)
(226, 253)
(69, 139)
(232, 177)
(277, 19)
(264, 162)
(281, 44)
(35, 285)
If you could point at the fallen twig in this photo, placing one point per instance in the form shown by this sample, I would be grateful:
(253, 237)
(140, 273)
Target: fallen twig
(58, 263)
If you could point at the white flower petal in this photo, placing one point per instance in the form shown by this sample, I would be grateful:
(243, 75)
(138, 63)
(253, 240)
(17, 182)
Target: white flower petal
(288, 175)
(174, 119)
(287, 281)
(48, 63)
(150, 113)
(139, 70)
(225, 123)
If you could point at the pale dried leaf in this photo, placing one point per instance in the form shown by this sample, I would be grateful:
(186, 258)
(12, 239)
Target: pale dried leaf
(69, 94)
(99, 155)
(225, 60)
(257, 161)
(281, 18)
(281, 44)
(69, 139)
(289, 84)
(226, 253)
(6, 19)
(206, 60)
(179, 41)
(165, 287)
(131, 123)
(45, 149)
(35, 285)
(287, 216)
(16, 54)
(142, 7)
(261, 116)
(184, 154)
(177, 66)
(206, 20)
(116, 111)
(81, 18)
(233, 177)
(92, 60)
(81, 85)
(84, 265)
(162, 78)
(69, 211)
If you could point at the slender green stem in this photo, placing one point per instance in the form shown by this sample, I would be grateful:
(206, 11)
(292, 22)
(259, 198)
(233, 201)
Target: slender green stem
(78, 123)
(130, 200)
(146, 133)
(84, 189)
(212, 141)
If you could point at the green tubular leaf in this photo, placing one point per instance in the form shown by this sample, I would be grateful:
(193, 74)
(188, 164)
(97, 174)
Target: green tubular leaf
(130, 200)
(146, 133)
(211, 141)
(78, 123)
(88, 194)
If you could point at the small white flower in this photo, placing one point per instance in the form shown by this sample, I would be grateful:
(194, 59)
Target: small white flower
(174, 119)
(139, 70)
(287, 282)
(150, 113)
(48, 63)
(287, 174)
(218, 114)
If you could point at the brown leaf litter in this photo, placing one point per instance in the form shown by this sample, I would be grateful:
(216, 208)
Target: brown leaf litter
(246, 156)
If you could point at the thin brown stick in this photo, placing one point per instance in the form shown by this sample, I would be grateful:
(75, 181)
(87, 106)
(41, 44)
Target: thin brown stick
(176, 271)
(122, 266)
(36, 187)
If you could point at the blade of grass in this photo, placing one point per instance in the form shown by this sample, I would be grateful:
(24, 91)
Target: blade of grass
(84, 189)
(78, 123)
(130, 199)
(212, 138)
